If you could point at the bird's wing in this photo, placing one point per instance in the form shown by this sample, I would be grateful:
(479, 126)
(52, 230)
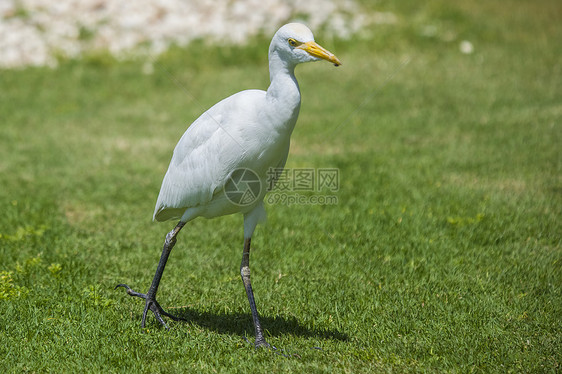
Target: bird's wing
(207, 153)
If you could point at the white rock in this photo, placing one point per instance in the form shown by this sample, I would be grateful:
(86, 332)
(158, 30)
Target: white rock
(466, 47)
(32, 32)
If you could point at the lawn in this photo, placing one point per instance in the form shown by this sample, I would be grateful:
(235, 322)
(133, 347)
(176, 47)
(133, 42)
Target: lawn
(442, 253)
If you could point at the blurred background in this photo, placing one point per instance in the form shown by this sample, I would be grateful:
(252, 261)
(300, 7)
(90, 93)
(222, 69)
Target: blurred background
(36, 32)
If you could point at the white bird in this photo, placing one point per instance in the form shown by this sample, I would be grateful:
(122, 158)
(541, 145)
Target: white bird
(223, 161)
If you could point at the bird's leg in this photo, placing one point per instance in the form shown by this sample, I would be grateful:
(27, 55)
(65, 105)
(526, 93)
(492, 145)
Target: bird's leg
(245, 273)
(150, 297)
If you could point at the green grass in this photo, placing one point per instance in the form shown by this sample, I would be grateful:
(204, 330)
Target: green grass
(442, 254)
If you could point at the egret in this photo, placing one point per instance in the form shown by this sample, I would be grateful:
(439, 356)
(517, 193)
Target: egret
(223, 160)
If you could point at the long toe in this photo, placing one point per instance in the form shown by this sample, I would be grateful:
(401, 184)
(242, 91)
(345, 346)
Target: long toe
(152, 305)
(261, 343)
(175, 318)
(130, 291)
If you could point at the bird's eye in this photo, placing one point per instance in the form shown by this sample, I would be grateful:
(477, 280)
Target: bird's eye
(293, 42)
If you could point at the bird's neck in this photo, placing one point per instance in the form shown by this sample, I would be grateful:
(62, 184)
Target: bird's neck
(283, 92)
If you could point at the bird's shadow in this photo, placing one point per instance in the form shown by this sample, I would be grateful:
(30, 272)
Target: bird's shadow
(234, 323)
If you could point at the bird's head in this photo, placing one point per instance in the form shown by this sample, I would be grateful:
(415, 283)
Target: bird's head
(294, 43)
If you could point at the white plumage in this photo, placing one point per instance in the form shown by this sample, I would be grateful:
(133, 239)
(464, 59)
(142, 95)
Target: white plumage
(249, 130)
(231, 135)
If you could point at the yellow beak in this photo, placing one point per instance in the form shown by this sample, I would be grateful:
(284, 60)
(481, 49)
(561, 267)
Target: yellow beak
(317, 50)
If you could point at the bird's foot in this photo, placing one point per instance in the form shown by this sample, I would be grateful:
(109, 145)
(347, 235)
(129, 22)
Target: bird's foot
(261, 343)
(152, 305)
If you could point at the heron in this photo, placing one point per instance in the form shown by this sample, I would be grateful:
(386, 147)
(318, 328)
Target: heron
(221, 163)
